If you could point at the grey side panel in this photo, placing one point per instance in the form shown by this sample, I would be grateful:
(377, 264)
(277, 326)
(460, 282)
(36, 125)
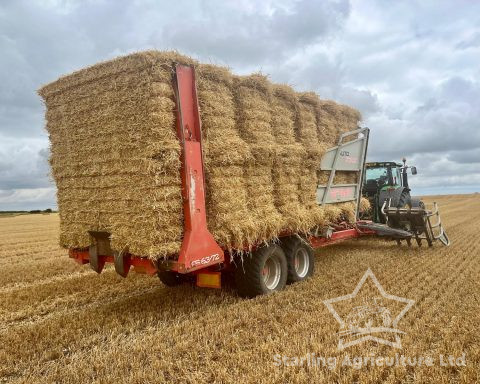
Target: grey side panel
(349, 157)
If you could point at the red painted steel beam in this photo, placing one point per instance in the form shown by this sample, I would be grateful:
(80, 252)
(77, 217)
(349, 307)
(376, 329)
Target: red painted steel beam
(199, 248)
(347, 234)
(141, 264)
(80, 257)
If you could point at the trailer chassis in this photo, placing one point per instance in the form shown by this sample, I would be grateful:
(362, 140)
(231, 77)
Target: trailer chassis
(206, 276)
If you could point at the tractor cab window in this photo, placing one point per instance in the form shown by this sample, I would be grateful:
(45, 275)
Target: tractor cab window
(383, 176)
(397, 177)
(378, 174)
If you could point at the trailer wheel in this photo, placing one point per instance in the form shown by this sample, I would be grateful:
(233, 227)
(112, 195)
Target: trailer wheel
(300, 259)
(262, 272)
(170, 279)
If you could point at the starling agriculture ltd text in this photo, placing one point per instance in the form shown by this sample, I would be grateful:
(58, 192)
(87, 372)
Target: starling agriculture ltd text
(359, 362)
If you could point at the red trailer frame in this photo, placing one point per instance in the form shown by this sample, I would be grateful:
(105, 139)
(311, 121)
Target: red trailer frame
(200, 254)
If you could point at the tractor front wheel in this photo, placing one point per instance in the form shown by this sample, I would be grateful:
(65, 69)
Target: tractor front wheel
(404, 200)
(417, 203)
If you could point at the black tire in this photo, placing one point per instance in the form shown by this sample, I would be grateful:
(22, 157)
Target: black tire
(295, 249)
(170, 278)
(250, 275)
(417, 203)
(404, 200)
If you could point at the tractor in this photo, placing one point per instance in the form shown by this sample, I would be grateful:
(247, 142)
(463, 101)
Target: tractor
(385, 185)
(388, 181)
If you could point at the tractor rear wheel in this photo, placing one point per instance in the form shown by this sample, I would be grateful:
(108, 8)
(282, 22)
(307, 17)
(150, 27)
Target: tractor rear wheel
(262, 272)
(300, 259)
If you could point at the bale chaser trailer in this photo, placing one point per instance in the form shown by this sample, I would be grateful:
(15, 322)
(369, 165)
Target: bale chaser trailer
(258, 269)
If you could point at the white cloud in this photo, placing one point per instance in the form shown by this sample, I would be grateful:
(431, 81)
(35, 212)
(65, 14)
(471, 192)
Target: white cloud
(31, 198)
(410, 67)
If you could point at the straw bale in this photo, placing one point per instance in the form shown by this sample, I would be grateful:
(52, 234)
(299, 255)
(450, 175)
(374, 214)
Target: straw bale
(345, 177)
(111, 125)
(254, 124)
(115, 156)
(308, 131)
(226, 155)
(364, 205)
(288, 165)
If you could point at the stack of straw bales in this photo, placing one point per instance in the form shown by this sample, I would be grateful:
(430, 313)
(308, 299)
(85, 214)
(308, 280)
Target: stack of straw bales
(226, 155)
(115, 154)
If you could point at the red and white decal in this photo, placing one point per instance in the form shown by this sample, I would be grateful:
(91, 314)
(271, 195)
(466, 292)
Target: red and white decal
(341, 193)
(205, 260)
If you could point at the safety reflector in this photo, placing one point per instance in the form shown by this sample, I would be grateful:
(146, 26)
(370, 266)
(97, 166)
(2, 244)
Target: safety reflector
(209, 280)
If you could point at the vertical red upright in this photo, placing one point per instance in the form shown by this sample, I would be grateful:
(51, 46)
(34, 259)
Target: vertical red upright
(199, 248)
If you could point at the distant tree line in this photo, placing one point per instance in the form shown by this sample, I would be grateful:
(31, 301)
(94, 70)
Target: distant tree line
(48, 210)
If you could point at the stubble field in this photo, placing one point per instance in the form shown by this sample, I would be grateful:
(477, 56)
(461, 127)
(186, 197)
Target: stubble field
(61, 322)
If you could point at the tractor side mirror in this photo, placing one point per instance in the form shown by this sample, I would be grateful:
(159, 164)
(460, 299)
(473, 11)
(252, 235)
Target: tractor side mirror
(414, 170)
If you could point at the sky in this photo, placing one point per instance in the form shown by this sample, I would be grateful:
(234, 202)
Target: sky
(412, 69)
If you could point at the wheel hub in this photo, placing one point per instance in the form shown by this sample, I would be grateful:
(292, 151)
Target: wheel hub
(301, 262)
(271, 272)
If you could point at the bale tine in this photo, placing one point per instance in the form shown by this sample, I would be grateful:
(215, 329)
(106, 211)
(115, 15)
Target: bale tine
(419, 240)
(96, 263)
(122, 266)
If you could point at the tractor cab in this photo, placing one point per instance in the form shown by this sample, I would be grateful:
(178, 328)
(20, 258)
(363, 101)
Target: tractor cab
(380, 175)
(386, 174)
